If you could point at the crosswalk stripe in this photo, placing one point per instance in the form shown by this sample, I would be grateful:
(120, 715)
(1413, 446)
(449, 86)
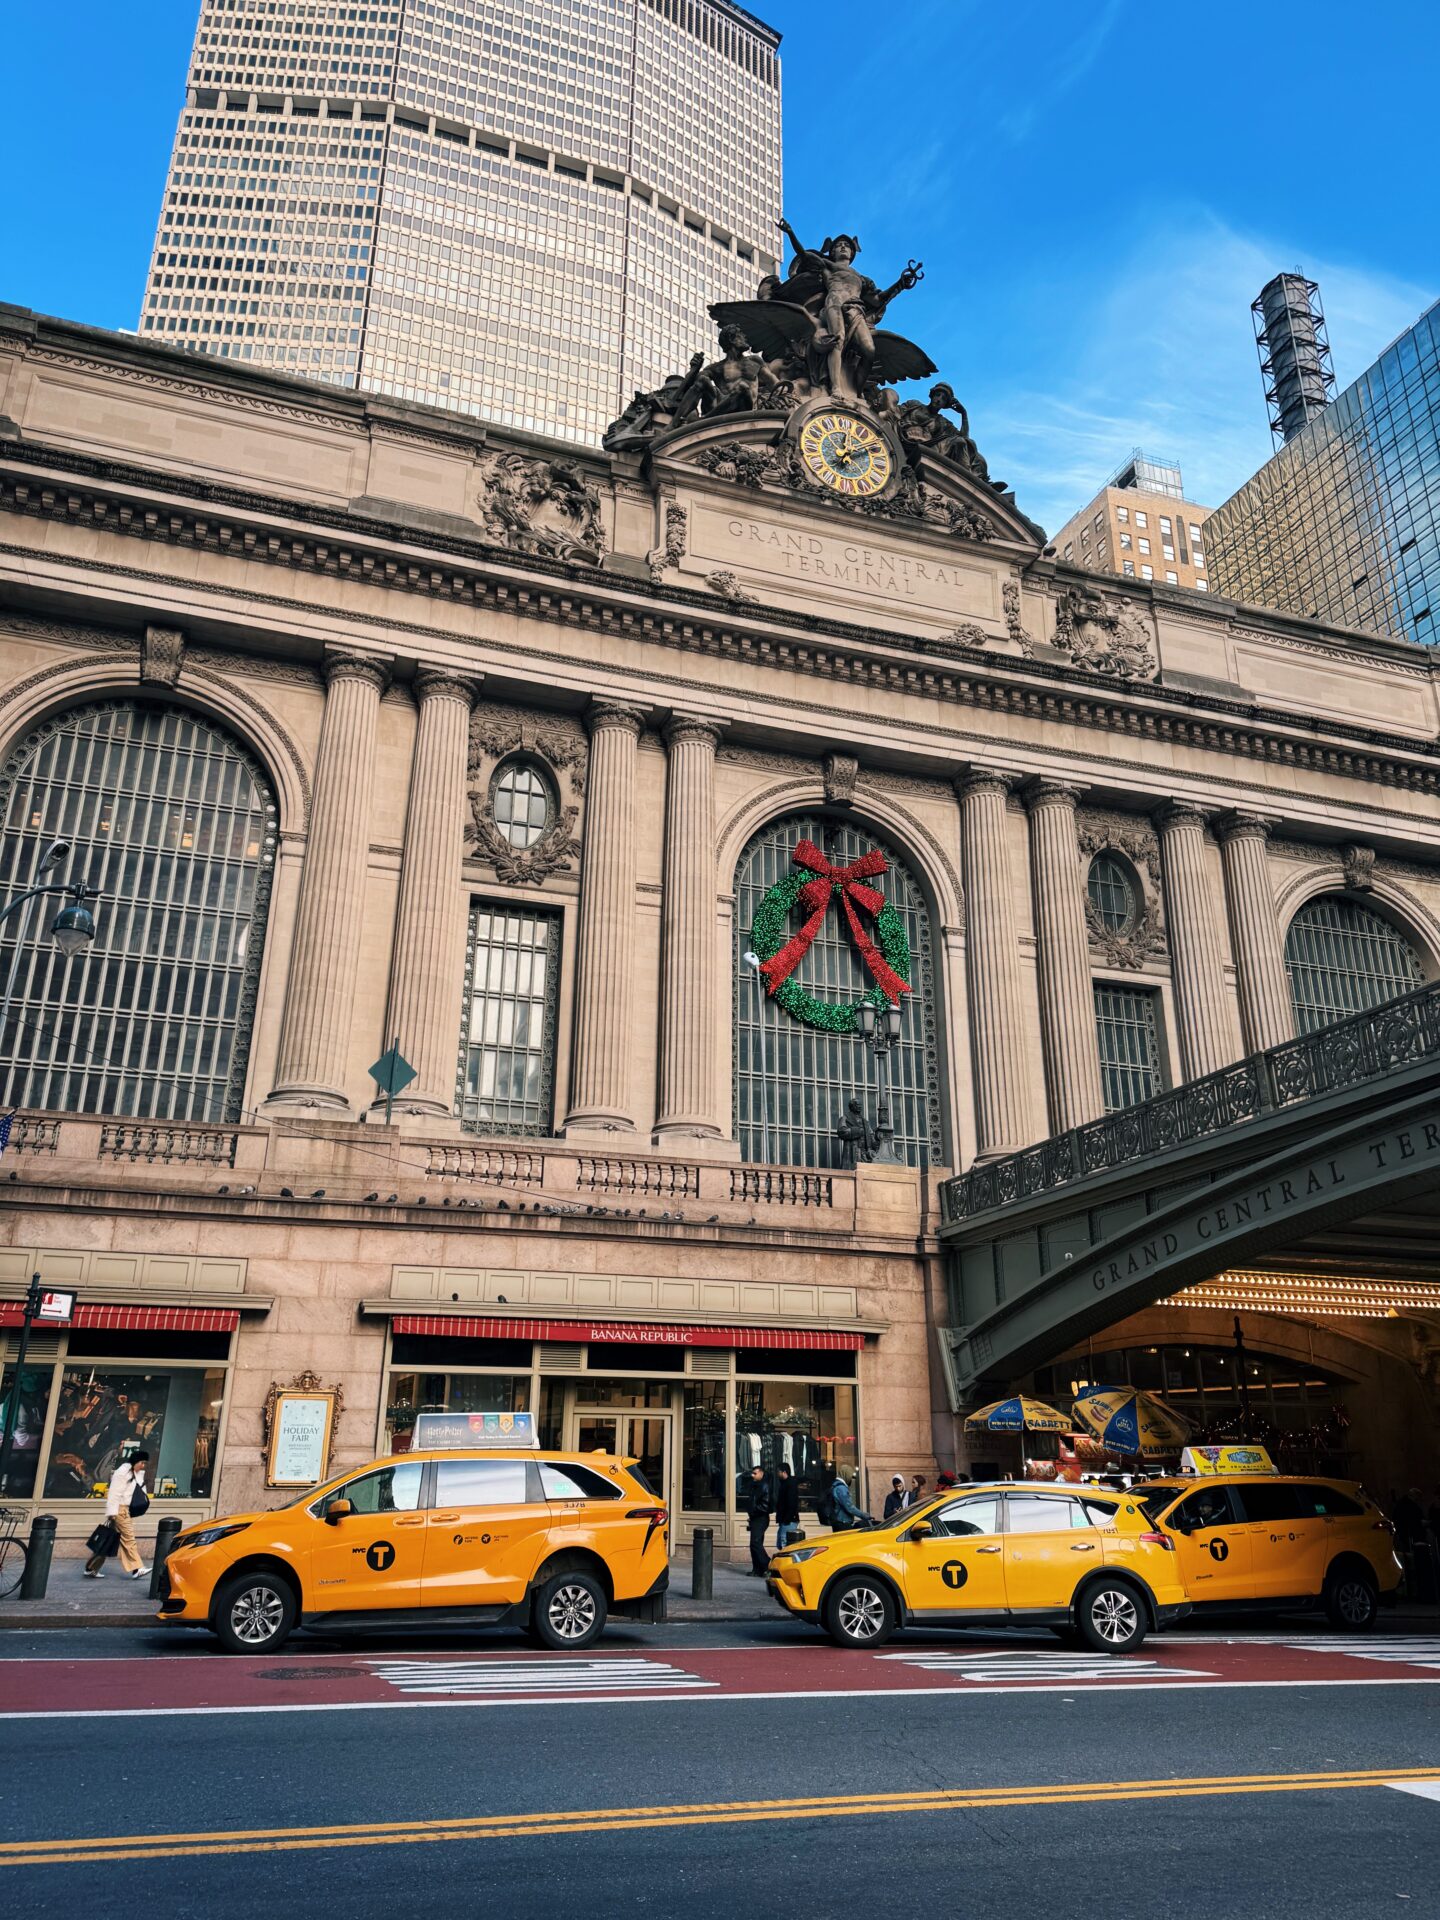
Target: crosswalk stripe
(1042, 1666)
(563, 1675)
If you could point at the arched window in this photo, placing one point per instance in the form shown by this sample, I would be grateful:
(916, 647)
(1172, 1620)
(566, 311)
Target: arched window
(175, 823)
(792, 1080)
(1342, 958)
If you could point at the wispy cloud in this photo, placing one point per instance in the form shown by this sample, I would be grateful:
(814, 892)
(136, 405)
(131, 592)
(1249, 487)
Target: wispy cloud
(1163, 357)
(1076, 57)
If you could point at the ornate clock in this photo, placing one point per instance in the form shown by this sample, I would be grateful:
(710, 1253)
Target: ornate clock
(845, 454)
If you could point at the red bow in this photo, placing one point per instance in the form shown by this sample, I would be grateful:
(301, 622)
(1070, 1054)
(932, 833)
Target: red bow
(815, 895)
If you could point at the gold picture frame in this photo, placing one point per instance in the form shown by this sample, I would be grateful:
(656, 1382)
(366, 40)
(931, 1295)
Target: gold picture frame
(300, 1431)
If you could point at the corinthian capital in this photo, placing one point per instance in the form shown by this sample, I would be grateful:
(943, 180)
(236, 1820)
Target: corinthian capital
(339, 665)
(605, 716)
(438, 683)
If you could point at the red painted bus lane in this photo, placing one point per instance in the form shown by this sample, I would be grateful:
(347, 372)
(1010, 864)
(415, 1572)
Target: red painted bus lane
(297, 1681)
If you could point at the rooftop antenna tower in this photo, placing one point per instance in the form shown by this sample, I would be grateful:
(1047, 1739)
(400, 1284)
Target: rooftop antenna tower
(1294, 353)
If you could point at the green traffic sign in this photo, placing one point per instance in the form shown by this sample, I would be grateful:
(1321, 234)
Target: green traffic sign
(392, 1072)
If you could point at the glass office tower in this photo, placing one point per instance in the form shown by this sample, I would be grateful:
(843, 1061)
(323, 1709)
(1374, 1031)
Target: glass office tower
(516, 208)
(1343, 522)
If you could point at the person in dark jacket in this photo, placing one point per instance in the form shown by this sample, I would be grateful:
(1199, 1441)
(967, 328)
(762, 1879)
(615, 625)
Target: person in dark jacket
(787, 1509)
(895, 1499)
(757, 1514)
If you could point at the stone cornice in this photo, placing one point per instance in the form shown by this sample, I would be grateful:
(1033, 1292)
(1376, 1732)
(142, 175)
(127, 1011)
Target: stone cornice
(587, 598)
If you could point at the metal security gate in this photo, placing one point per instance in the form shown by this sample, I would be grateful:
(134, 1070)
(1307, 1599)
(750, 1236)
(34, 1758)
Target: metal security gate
(175, 823)
(791, 1081)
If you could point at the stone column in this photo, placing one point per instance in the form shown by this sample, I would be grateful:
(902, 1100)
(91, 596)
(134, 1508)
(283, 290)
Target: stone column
(427, 965)
(992, 959)
(329, 923)
(687, 1017)
(1207, 1039)
(1067, 994)
(605, 970)
(1266, 1010)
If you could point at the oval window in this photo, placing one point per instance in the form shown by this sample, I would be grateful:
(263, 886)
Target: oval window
(520, 800)
(1112, 893)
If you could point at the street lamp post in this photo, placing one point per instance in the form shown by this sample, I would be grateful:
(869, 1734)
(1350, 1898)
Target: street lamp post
(880, 1031)
(72, 929)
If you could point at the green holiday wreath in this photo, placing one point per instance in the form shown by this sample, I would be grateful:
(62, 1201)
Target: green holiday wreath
(780, 951)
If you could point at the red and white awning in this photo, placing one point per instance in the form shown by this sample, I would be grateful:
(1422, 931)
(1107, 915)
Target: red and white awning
(137, 1319)
(625, 1332)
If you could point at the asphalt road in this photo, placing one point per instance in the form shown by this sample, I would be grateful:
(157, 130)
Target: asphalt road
(721, 1769)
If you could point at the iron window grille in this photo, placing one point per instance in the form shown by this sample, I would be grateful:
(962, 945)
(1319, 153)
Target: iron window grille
(1125, 1033)
(1341, 958)
(176, 824)
(806, 1076)
(511, 1010)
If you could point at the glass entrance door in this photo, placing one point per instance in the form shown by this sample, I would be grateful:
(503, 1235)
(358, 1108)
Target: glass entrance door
(645, 1435)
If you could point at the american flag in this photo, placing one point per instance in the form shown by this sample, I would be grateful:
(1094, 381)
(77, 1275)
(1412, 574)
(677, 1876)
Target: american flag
(7, 1121)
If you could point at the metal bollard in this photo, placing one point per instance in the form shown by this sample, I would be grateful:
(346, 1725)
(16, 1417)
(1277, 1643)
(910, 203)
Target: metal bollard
(37, 1561)
(164, 1539)
(702, 1564)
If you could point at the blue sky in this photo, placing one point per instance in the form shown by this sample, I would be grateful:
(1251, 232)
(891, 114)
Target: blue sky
(1098, 189)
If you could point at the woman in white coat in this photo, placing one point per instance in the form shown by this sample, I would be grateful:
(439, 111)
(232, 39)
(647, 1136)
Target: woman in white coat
(126, 1481)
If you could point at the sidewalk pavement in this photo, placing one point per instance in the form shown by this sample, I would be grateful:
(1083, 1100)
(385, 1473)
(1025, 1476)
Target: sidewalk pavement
(118, 1601)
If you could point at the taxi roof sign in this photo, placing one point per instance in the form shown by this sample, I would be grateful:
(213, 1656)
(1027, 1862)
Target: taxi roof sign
(437, 1431)
(1210, 1461)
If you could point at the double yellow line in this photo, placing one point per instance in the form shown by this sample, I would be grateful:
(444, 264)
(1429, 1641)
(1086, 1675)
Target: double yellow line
(519, 1826)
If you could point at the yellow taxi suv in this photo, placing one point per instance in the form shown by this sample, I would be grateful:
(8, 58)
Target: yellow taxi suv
(1278, 1543)
(554, 1542)
(1090, 1564)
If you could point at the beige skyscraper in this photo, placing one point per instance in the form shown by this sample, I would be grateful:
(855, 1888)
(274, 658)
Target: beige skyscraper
(514, 208)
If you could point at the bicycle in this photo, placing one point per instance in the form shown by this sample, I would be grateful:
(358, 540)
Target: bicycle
(14, 1551)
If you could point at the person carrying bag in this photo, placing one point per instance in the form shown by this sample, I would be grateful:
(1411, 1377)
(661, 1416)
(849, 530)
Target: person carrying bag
(125, 1500)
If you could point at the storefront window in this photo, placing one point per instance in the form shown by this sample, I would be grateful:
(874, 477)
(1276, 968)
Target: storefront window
(412, 1393)
(809, 1427)
(105, 1414)
(31, 1405)
(702, 1467)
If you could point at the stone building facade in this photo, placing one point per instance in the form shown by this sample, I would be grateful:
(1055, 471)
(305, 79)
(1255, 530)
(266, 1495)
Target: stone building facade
(508, 745)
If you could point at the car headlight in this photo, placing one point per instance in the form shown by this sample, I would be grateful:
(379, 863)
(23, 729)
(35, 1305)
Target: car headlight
(804, 1553)
(208, 1537)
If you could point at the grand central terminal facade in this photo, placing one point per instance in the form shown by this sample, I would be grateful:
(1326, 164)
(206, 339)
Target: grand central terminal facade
(604, 788)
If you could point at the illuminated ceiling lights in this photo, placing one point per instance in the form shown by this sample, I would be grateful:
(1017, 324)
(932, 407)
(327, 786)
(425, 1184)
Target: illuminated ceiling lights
(1338, 1297)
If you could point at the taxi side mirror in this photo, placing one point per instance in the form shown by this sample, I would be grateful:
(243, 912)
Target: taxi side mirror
(338, 1510)
(921, 1530)
(1177, 1525)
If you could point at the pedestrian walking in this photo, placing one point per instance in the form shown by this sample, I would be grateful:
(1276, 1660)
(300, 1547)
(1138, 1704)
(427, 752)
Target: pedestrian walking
(757, 1515)
(787, 1509)
(895, 1501)
(125, 1500)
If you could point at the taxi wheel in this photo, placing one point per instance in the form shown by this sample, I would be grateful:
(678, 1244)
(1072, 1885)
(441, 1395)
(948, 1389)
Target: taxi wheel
(1110, 1617)
(859, 1612)
(1351, 1601)
(569, 1611)
(254, 1612)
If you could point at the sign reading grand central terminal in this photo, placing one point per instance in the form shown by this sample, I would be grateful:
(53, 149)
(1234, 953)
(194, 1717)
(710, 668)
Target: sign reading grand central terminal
(869, 566)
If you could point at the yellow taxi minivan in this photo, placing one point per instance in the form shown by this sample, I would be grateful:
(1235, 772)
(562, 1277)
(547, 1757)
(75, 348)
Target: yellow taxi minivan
(1277, 1542)
(551, 1541)
(1085, 1561)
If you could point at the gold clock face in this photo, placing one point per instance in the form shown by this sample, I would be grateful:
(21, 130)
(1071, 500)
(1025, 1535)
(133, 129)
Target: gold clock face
(845, 454)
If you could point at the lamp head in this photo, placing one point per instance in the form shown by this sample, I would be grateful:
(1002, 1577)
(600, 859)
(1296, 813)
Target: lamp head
(56, 850)
(865, 1019)
(751, 960)
(893, 1018)
(73, 928)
